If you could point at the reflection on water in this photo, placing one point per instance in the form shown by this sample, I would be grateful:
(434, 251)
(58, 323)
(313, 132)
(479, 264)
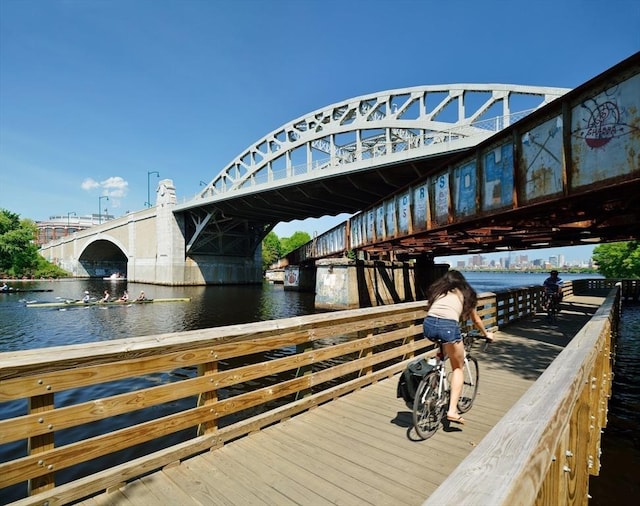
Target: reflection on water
(28, 328)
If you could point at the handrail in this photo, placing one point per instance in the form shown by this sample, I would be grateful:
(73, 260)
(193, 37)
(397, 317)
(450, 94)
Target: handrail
(167, 397)
(549, 441)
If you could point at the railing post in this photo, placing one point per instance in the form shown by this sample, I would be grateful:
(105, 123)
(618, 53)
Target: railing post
(208, 397)
(41, 443)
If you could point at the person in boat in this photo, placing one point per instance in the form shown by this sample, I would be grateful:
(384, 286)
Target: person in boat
(106, 296)
(87, 298)
(142, 296)
(125, 297)
(4, 287)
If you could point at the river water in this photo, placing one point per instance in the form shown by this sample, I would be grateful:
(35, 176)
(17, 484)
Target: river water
(30, 328)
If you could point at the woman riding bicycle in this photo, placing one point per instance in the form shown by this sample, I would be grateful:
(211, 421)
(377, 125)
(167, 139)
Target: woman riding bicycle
(449, 299)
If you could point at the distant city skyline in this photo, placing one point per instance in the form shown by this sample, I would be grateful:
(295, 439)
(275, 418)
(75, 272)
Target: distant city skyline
(573, 255)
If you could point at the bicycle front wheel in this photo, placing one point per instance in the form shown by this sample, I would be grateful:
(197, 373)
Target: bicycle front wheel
(427, 406)
(471, 376)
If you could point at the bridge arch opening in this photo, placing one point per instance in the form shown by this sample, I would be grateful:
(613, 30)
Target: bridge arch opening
(103, 258)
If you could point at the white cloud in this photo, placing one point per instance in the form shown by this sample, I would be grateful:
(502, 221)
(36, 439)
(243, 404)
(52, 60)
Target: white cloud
(89, 184)
(115, 187)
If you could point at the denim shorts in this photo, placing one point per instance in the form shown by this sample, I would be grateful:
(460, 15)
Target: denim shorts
(441, 330)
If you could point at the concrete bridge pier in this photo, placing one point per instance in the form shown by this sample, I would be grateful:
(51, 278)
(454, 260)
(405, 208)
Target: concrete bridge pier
(346, 284)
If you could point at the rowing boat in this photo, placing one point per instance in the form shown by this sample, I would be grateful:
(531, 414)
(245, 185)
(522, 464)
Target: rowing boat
(24, 290)
(79, 303)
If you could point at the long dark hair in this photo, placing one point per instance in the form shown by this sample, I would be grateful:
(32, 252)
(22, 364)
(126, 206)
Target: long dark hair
(450, 281)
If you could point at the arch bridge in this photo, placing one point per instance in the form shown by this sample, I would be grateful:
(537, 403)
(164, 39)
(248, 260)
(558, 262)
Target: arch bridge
(498, 166)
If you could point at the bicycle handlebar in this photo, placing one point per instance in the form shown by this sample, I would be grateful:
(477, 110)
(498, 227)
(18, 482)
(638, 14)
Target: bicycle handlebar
(471, 335)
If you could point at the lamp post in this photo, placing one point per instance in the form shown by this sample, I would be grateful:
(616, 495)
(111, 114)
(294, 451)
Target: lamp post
(148, 202)
(69, 214)
(100, 207)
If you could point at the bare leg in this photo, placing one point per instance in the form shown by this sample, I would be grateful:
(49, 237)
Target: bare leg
(455, 351)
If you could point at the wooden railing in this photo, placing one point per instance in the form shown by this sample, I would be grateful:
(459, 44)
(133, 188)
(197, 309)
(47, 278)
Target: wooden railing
(544, 449)
(100, 414)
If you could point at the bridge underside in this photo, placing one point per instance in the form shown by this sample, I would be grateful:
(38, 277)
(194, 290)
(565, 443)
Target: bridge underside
(236, 226)
(605, 214)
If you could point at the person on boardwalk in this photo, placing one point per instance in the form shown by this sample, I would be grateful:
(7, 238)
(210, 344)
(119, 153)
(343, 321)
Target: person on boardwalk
(553, 285)
(450, 299)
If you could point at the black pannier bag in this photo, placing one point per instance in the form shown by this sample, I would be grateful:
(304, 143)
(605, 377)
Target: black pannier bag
(410, 379)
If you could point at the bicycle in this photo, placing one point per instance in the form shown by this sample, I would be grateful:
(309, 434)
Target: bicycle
(551, 304)
(432, 395)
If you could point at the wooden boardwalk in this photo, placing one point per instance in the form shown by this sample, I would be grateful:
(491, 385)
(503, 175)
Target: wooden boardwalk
(360, 449)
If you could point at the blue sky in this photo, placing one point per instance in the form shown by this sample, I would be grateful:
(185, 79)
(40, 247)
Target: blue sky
(94, 94)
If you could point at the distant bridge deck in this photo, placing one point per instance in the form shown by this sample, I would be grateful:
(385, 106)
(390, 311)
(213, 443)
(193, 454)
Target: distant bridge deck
(359, 449)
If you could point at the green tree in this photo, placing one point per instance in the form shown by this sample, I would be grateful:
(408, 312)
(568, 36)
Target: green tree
(271, 250)
(294, 242)
(618, 259)
(18, 251)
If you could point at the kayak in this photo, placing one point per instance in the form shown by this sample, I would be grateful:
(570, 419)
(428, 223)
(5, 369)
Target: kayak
(79, 303)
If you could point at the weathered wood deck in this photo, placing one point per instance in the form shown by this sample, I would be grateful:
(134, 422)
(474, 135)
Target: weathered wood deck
(360, 449)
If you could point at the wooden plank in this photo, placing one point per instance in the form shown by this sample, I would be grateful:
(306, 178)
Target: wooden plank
(280, 474)
(237, 472)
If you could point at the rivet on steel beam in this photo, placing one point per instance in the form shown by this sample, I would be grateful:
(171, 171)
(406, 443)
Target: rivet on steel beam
(40, 382)
(41, 462)
(40, 420)
(50, 467)
(50, 426)
(566, 469)
(569, 453)
(48, 387)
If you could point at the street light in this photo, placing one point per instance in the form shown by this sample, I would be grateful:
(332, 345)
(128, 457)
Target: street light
(69, 214)
(100, 207)
(148, 202)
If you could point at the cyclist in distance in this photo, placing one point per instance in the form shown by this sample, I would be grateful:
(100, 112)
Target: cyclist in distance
(553, 284)
(450, 299)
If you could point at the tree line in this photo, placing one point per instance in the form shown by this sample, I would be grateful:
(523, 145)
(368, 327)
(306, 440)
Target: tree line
(19, 255)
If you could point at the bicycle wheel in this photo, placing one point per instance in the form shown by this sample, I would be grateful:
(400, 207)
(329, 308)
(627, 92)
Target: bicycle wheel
(552, 312)
(428, 408)
(470, 386)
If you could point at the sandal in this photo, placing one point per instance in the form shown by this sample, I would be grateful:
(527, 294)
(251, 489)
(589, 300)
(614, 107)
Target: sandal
(455, 419)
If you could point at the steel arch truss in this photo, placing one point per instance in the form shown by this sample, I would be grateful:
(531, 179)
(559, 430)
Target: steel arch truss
(375, 129)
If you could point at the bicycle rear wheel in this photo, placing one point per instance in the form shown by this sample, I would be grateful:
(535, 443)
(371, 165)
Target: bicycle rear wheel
(471, 376)
(428, 408)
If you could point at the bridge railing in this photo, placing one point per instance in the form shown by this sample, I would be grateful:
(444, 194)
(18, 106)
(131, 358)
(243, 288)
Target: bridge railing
(84, 418)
